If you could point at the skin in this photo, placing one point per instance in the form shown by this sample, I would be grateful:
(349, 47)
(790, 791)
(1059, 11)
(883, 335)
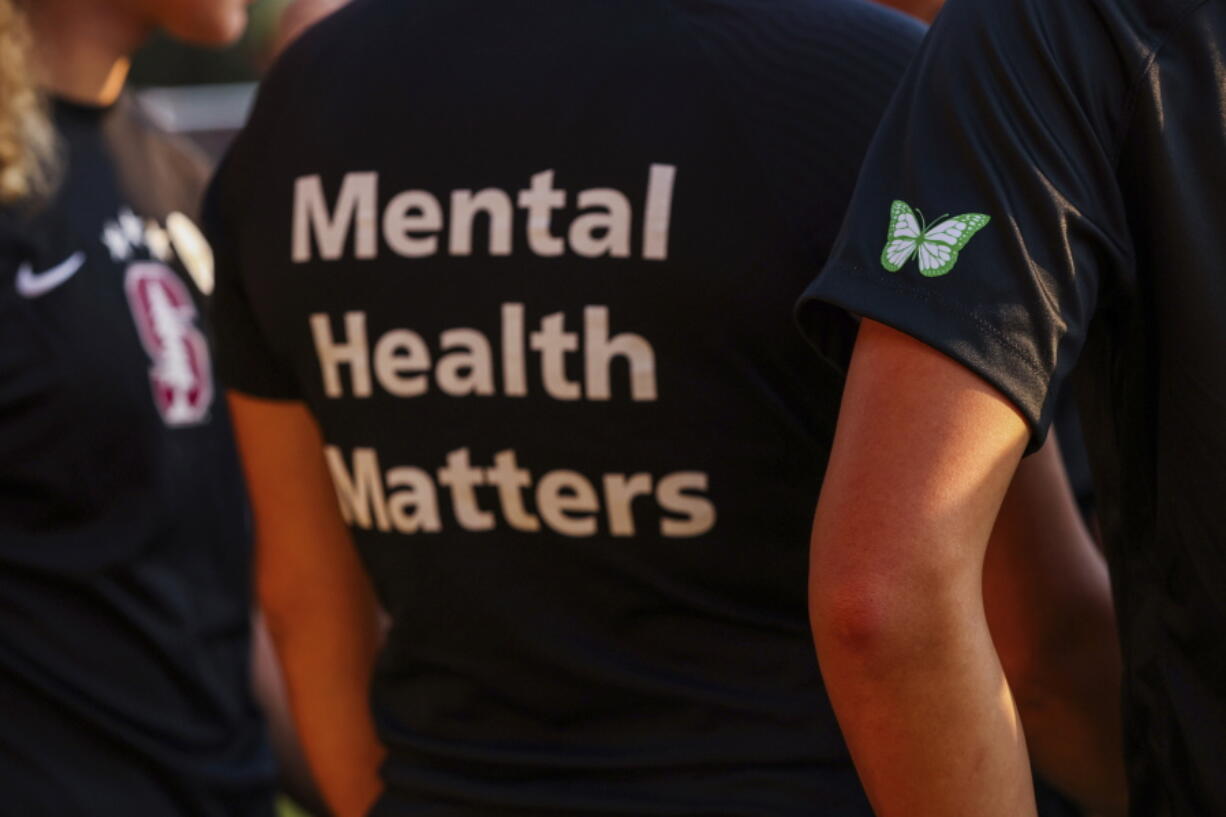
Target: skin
(316, 598)
(1047, 599)
(933, 690)
(83, 47)
(895, 597)
(1047, 596)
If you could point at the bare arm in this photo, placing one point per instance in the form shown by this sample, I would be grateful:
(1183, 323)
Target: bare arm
(1048, 601)
(316, 599)
(924, 453)
(294, 776)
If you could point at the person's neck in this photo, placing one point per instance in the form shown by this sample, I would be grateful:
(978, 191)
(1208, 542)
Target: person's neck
(82, 48)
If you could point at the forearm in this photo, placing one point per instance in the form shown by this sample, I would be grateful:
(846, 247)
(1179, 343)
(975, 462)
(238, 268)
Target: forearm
(1075, 740)
(294, 776)
(326, 649)
(317, 601)
(1049, 605)
(1070, 705)
(925, 709)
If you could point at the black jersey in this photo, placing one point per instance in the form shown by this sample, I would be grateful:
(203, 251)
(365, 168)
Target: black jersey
(124, 550)
(529, 264)
(1077, 150)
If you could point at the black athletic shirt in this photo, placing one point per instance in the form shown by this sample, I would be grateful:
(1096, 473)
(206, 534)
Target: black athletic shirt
(1090, 133)
(529, 263)
(124, 549)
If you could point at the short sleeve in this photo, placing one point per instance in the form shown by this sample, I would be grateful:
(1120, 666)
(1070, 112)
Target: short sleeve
(987, 214)
(245, 361)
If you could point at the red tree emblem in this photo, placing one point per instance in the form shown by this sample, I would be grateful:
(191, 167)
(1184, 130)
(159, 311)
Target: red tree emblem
(165, 316)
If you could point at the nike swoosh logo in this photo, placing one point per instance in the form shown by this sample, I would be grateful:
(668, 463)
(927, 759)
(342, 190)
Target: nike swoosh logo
(31, 284)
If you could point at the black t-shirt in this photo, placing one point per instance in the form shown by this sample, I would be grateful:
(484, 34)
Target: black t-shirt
(530, 266)
(1079, 149)
(124, 549)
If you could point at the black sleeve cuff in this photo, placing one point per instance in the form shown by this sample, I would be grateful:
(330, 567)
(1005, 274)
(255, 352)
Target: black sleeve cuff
(970, 338)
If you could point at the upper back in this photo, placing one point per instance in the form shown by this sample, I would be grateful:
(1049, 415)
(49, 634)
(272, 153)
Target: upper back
(532, 266)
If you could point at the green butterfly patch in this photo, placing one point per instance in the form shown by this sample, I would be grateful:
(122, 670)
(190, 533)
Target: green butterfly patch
(935, 248)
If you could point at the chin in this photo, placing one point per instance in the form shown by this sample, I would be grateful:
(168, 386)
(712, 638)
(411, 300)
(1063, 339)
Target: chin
(215, 30)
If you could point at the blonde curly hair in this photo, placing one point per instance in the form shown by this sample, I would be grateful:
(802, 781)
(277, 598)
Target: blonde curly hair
(27, 138)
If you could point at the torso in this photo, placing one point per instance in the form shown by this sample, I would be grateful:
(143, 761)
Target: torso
(1159, 429)
(122, 517)
(579, 459)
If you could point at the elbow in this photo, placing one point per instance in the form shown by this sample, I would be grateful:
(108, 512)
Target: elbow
(884, 600)
(873, 626)
(873, 618)
(848, 620)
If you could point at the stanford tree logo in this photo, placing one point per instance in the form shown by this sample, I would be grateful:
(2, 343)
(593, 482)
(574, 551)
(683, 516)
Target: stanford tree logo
(165, 316)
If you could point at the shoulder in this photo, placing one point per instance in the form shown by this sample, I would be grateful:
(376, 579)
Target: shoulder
(319, 56)
(833, 33)
(1057, 64)
(826, 68)
(294, 100)
(845, 14)
(831, 63)
(1094, 34)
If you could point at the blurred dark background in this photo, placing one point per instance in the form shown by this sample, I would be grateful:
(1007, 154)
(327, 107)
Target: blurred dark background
(205, 94)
